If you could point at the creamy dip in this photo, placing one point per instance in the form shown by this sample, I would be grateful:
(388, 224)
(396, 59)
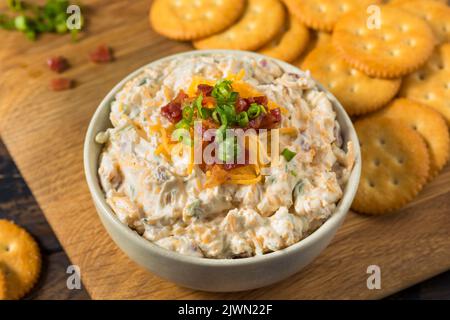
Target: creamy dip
(165, 200)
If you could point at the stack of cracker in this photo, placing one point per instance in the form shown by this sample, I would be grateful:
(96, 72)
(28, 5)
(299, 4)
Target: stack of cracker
(387, 62)
(257, 25)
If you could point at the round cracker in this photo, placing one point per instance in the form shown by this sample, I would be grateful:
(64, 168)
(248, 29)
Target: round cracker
(316, 39)
(290, 43)
(430, 85)
(3, 295)
(401, 45)
(357, 92)
(323, 14)
(20, 258)
(435, 13)
(260, 23)
(189, 20)
(395, 165)
(428, 123)
(401, 1)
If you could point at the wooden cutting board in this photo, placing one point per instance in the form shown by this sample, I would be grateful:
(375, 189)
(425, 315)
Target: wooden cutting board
(44, 132)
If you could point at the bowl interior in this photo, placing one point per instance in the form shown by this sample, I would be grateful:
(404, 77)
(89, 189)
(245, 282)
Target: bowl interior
(100, 122)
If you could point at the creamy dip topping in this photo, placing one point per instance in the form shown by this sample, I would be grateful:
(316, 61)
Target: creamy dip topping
(172, 202)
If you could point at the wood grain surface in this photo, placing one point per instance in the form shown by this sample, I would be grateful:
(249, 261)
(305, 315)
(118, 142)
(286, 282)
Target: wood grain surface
(17, 204)
(44, 132)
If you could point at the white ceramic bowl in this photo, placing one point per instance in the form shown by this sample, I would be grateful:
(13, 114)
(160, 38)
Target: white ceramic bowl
(214, 274)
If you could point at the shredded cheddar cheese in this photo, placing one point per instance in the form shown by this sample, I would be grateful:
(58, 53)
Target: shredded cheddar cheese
(167, 93)
(192, 90)
(272, 105)
(245, 90)
(289, 130)
(236, 77)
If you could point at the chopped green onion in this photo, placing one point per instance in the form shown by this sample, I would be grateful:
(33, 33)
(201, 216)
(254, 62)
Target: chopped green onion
(177, 135)
(298, 189)
(228, 150)
(21, 23)
(223, 93)
(194, 209)
(183, 124)
(6, 22)
(222, 116)
(61, 27)
(188, 113)
(74, 34)
(229, 112)
(215, 116)
(222, 88)
(254, 111)
(220, 133)
(15, 5)
(288, 154)
(141, 83)
(181, 134)
(242, 119)
(233, 96)
(35, 19)
(198, 103)
(205, 113)
(30, 34)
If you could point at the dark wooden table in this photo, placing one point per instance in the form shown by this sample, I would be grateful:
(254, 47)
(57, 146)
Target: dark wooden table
(17, 203)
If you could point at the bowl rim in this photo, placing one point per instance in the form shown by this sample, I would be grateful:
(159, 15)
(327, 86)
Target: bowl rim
(104, 209)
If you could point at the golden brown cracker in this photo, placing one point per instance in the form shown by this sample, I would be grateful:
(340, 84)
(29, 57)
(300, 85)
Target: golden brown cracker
(401, 1)
(315, 39)
(428, 123)
(289, 44)
(323, 14)
(260, 23)
(189, 20)
(395, 165)
(3, 295)
(401, 44)
(356, 91)
(435, 13)
(430, 84)
(20, 258)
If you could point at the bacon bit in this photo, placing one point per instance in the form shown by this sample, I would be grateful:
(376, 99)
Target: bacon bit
(242, 105)
(276, 114)
(102, 54)
(181, 96)
(259, 100)
(172, 111)
(57, 64)
(256, 123)
(205, 89)
(270, 120)
(60, 84)
(209, 102)
(209, 124)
